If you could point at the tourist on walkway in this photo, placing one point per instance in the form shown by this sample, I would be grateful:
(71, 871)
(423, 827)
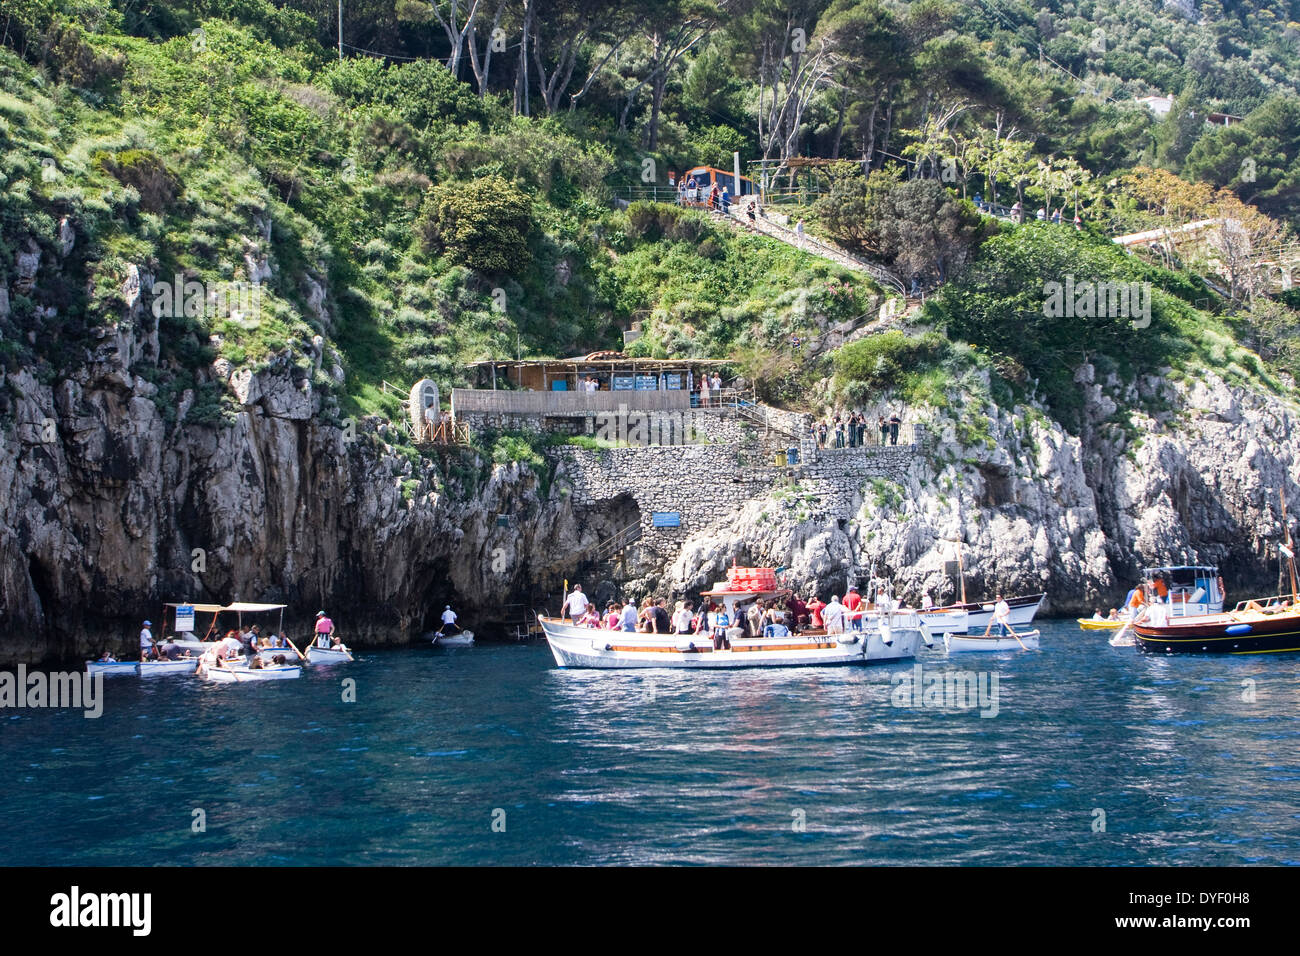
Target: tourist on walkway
(725, 200)
(430, 419)
(717, 387)
(884, 430)
(894, 422)
(704, 391)
(839, 432)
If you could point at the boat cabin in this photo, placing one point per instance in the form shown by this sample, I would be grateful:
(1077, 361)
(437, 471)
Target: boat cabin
(1187, 589)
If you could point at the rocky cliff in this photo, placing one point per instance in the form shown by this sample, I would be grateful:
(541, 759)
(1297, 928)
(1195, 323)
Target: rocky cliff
(113, 507)
(110, 511)
(1195, 477)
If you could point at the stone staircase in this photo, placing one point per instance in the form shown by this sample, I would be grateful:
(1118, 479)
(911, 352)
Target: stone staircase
(737, 218)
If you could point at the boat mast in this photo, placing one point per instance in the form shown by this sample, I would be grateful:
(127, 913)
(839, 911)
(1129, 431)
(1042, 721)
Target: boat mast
(1289, 547)
(961, 571)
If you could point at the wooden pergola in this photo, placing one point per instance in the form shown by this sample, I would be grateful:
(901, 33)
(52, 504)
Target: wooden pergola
(614, 370)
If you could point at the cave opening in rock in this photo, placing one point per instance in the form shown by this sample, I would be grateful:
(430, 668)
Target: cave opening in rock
(43, 584)
(614, 523)
(998, 489)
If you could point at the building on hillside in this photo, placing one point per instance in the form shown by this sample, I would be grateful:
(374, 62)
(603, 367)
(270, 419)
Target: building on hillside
(567, 394)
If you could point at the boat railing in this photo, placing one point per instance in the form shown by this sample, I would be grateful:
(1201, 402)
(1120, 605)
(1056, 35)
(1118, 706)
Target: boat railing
(1275, 602)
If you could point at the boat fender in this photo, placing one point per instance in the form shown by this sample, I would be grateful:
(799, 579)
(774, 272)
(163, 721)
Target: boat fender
(1239, 629)
(886, 633)
(926, 636)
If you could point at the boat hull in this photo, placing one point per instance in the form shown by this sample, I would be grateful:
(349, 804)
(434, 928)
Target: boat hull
(112, 669)
(1252, 634)
(243, 675)
(1092, 624)
(321, 655)
(950, 621)
(978, 616)
(960, 643)
(184, 665)
(584, 647)
(463, 639)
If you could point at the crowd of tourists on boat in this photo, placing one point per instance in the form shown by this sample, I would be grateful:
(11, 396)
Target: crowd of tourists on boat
(771, 617)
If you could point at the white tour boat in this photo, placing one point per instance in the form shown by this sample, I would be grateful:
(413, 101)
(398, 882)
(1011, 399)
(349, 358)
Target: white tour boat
(186, 616)
(884, 637)
(951, 620)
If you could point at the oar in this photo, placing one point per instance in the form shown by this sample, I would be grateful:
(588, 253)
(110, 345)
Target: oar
(294, 646)
(1127, 624)
(1016, 636)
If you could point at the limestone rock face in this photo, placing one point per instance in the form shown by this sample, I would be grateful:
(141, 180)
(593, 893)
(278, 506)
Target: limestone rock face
(109, 510)
(110, 514)
(1038, 509)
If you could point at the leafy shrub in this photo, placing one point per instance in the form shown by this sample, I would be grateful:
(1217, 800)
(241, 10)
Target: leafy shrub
(144, 172)
(482, 224)
(880, 362)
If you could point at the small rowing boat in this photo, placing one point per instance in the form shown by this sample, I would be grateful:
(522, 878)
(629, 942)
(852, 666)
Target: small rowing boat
(242, 675)
(164, 668)
(462, 639)
(112, 668)
(1024, 641)
(327, 655)
(1094, 624)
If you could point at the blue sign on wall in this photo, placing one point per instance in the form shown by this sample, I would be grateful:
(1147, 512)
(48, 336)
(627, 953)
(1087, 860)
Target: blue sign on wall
(667, 519)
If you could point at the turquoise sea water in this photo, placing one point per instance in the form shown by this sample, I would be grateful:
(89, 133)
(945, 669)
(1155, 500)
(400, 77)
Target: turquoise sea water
(650, 767)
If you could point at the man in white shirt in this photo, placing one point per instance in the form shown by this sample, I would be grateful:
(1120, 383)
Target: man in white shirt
(576, 604)
(448, 621)
(430, 418)
(146, 640)
(682, 619)
(628, 621)
(834, 615)
(1001, 617)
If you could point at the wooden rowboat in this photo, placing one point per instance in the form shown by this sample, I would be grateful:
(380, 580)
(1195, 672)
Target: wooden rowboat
(327, 655)
(242, 675)
(1092, 624)
(112, 668)
(1024, 641)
